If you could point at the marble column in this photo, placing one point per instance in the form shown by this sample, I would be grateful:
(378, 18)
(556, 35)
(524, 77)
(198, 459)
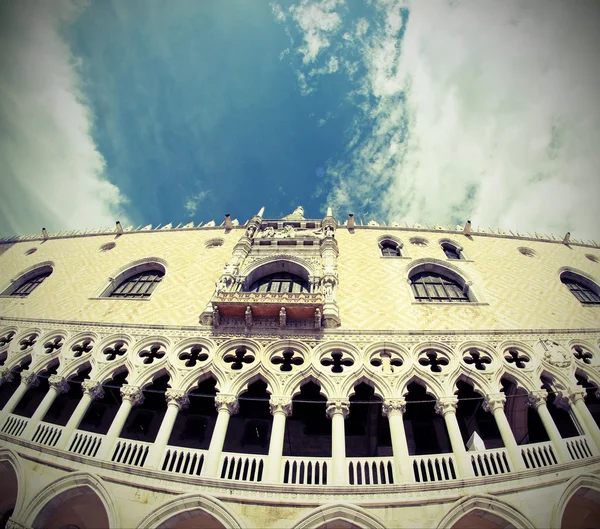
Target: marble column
(227, 405)
(92, 389)
(446, 406)
(537, 400)
(176, 400)
(58, 385)
(337, 411)
(132, 396)
(281, 408)
(574, 402)
(494, 403)
(394, 410)
(28, 380)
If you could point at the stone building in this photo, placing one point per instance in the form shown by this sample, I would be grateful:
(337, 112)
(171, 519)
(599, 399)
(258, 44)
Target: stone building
(298, 373)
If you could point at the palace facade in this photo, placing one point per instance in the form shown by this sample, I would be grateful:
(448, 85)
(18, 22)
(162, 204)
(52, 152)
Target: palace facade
(299, 373)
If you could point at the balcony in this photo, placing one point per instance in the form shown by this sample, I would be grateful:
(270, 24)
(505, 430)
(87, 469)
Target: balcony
(437, 470)
(268, 304)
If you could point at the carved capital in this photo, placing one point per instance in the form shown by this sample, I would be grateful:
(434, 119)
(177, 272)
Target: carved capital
(6, 375)
(566, 399)
(59, 384)
(536, 398)
(494, 401)
(280, 404)
(29, 379)
(133, 394)
(227, 402)
(177, 397)
(446, 405)
(335, 407)
(393, 406)
(93, 388)
(13, 524)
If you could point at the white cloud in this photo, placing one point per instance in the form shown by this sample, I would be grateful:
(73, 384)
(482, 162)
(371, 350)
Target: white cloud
(52, 173)
(318, 21)
(192, 202)
(480, 110)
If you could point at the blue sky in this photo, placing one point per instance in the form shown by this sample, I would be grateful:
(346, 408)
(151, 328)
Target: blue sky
(430, 111)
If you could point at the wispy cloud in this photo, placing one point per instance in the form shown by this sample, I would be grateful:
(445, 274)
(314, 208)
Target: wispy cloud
(192, 202)
(51, 173)
(472, 109)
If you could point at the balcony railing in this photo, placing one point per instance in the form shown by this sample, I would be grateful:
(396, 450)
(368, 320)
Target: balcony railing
(311, 471)
(268, 304)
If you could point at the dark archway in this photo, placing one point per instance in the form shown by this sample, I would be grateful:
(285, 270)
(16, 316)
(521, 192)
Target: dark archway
(8, 491)
(367, 431)
(592, 401)
(144, 420)
(194, 425)
(582, 510)
(8, 388)
(308, 430)
(561, 417)
(32, 398)
(64, 404)
(525, 422)
(101, 412)
(425, 429)
(472, 417)
(249, 430)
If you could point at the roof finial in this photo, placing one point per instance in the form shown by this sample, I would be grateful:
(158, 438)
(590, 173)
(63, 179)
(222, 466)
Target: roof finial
(261, 212)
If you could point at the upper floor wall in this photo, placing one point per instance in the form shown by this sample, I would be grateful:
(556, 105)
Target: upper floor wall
(512, 290)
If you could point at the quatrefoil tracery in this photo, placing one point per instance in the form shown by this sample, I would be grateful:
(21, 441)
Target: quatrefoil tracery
(433, 360)
(514, 356)
(117, 349)
(154, 352)
(582, 354)
(52, 346)
(337, 361)
(477, 359)
(238, 358)
(28, 342)
(82, 348)
(386, 362)
(287, 360)
(193, 355)
(7, 338)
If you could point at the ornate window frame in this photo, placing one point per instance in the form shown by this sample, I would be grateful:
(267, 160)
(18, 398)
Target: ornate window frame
(390, 239)
(582, 278)
(457, 248)
(127, 271)
(27, 275)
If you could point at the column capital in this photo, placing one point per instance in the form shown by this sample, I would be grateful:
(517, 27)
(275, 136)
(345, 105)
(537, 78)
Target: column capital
(13, 524)
(494, 401)
(6, 375)
(280, 403)
(338, 406)
(59, 384)
(93, 388)
(227, 402)
(133, 394)
(30, 380)
(536, 398)
(445, 405)
(177, 397)
(393, 406)
(566, 399)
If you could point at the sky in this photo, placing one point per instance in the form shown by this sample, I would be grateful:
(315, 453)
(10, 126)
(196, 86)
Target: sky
(428, 111)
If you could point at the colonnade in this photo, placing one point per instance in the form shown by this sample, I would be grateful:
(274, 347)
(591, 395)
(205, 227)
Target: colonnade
(281, 407)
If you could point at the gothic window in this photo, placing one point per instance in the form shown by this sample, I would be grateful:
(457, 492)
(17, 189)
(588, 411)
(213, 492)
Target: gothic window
(451, 251)
(282, 282)
(137, 286)
(583, 289)
(28, 283)
(390, 248)
(431, 286)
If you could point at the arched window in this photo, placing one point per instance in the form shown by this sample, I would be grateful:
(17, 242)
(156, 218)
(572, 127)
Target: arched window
(282, 282)
(451, 251)
(28, 283)
(583, 289)
(390, 248)
(431, 286)
(140, 285)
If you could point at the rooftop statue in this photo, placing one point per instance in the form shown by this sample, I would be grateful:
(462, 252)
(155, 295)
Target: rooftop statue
(298, 214)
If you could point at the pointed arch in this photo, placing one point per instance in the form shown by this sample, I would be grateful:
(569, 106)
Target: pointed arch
(9, 458)
(353, 514)
(485, 504)
(64, 489)
(169, 514)
(380, 388)
(241, 385)
(189, 381)
(295, 383)
(432, 387)
(574, 486)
